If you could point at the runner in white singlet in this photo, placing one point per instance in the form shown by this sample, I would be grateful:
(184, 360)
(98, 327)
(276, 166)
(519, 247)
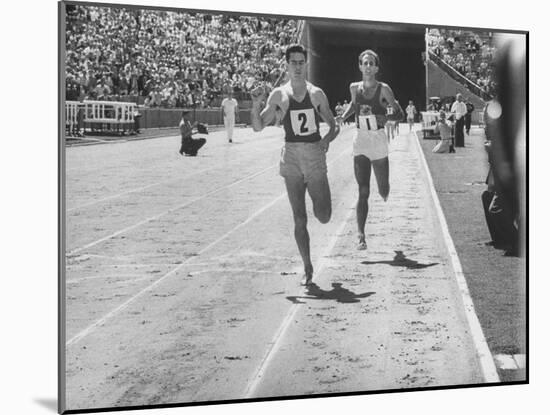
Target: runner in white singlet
(369, 101)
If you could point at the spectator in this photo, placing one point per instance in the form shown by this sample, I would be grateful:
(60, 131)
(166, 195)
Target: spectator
(189, 145)
(459, 111)
(468, 117)
(444, 128)
(72, 88)
(155, 97)
(467, 53)
(102, 91)
(230, 112)
(146, 42)
(411, 114)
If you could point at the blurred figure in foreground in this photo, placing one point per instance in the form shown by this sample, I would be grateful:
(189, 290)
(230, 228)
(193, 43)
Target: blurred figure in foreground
(505, 120)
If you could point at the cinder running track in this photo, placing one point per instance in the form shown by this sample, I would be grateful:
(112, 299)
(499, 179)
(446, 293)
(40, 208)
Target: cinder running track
(182, 279)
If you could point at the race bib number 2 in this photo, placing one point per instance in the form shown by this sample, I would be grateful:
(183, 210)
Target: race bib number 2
(303, 121)
(368, 122)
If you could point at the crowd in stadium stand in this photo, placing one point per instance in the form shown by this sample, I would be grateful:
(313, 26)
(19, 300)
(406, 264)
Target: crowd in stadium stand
(170, 59)
(469, 53)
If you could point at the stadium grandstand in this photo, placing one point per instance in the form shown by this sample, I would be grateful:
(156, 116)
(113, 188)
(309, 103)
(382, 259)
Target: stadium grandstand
(170, 59)
(465, 55)
(153, 63)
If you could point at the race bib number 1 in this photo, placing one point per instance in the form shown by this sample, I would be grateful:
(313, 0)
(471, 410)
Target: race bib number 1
(368, 122)
(303, 121)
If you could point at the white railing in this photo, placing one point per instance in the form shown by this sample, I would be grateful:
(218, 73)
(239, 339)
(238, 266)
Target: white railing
(97, 114)
(71, 115)
(109, 112)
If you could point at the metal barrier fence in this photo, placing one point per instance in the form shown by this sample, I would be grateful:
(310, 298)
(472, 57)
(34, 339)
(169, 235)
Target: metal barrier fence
(71, 116)
(110, 115)
(99, 116)
(121, 117)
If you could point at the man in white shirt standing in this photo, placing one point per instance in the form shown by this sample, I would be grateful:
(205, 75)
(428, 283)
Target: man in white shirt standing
(230, 112)
(411, 114)
(459, 110)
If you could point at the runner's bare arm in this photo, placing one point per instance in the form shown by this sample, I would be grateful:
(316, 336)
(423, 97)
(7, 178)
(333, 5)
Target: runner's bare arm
(351, 108)
(321, 102)
(386, 94)
(263, 117)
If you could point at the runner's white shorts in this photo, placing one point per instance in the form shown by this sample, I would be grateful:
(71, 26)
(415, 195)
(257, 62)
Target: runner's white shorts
(371, 144)
(303, 160)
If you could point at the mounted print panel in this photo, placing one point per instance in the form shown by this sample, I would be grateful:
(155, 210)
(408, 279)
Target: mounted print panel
(258, 207)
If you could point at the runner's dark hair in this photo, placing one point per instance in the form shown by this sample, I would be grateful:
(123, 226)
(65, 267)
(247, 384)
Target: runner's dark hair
(295, 48)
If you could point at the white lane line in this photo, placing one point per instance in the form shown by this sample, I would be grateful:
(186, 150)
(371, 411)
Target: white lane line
(483, 353)
(276, 342)
(149, 265)
(520, 360)
(152, 218)
(122, 277)
(222, 270)
(91, 328)
(129, 265)
(139, 189)
(147, 220)
(506, 362)
(75, 339)
(510, 361)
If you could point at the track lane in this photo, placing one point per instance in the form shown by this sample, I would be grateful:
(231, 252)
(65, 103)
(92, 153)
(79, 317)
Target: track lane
(178, 238)
(259, 251)
(191, 327)
(113, 178)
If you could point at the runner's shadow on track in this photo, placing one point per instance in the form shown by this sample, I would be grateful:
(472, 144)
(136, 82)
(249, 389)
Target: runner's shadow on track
(400, 260)
(338, 293)
(198, 156)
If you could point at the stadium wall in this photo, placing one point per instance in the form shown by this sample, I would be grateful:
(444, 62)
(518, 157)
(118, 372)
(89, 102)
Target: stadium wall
(314, 59)
(440, 84)
(164, 118)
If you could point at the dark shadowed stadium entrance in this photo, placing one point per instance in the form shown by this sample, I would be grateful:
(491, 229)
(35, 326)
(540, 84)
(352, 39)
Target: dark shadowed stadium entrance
(335, 46)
